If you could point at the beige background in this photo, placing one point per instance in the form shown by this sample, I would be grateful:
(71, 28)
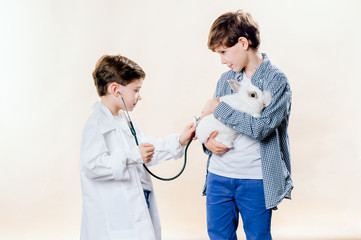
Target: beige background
(48, 51)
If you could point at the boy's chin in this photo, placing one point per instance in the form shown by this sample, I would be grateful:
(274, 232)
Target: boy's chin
(131, 108)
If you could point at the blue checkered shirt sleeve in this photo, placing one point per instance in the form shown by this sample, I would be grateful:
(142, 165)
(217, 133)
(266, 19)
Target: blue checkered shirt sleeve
(272, 116)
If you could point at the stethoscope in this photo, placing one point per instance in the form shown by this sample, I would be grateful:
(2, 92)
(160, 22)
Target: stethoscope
(132, 130)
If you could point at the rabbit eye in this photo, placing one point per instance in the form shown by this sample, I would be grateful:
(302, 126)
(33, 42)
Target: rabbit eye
(252, 94)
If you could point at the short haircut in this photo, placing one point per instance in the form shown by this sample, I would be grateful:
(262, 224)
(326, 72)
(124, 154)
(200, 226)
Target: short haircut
(117, 69)
(229, 27)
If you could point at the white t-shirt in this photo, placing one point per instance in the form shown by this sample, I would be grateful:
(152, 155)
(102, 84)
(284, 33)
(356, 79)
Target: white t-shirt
(241, 162)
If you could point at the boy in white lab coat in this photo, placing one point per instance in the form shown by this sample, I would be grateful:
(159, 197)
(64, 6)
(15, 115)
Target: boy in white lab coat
(118, 197)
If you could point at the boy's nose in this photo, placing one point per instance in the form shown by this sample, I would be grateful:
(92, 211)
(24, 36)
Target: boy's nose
(223, 61)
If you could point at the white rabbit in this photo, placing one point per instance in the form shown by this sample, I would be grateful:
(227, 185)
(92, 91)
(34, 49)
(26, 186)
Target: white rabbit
(247, 98)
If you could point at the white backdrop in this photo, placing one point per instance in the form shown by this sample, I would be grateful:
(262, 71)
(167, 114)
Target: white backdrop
(49, 49)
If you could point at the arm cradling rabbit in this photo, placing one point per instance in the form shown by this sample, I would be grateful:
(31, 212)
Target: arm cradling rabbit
(247, 98)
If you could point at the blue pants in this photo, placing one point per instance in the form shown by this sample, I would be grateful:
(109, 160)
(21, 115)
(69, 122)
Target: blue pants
(226, 197)
(146, 195)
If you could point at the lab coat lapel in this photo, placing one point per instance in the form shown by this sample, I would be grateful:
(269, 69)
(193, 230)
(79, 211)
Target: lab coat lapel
(106, 118)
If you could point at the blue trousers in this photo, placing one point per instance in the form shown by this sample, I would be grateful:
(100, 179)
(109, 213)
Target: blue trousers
(146, 195)
(226, 198)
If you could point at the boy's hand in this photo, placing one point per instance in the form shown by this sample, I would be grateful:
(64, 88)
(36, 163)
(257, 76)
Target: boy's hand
(209, 107)
(187, 134)
(214, 146)
(146, 151)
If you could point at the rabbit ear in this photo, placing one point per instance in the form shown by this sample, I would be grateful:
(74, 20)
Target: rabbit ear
(267, 98)
(234, 85)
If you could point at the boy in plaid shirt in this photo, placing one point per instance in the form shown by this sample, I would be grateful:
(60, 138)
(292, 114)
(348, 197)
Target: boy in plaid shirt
(252, 178)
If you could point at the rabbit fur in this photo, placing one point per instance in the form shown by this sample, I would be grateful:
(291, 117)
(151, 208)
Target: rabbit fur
(247, 98)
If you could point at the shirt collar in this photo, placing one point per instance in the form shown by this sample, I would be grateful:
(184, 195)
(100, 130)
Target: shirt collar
(106, 118)
(258, 75)
(238, 76)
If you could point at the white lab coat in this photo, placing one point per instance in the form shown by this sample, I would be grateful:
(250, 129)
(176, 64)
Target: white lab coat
(114, 205)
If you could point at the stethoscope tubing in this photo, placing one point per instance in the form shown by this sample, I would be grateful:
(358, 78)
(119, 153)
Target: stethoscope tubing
(132, 130)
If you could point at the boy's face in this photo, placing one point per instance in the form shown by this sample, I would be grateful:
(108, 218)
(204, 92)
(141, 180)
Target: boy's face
(234, 57)
(130, 93)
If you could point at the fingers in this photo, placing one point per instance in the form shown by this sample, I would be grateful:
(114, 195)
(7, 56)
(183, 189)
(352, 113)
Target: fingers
(149, 152)
(219, 152)
(190, 127)
(214, 146)
(146, 151)
(147, 158)
(187, 134)
(145, 145)
(213, 135)
(219, 149)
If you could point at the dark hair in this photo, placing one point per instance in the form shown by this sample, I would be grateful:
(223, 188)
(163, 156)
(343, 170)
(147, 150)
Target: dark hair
(229, 27)
(117, 69)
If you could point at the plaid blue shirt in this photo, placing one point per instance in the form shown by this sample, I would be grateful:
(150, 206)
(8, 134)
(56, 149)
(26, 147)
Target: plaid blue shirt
(270, 129)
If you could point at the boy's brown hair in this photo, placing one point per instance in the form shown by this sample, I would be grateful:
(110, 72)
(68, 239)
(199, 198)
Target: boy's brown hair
(229, 27)
(117, 69)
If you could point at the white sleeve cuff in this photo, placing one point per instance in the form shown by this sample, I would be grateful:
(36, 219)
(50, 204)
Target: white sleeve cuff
(174, 147)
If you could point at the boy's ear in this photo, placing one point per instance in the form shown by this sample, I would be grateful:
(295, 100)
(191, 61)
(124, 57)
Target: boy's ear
(113, 89)
(234, 85)
(244, 42)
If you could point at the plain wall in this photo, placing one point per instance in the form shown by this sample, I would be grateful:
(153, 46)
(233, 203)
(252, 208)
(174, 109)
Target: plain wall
(48, 52)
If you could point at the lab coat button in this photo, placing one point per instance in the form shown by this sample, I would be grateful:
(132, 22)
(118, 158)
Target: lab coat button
(234, 127)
